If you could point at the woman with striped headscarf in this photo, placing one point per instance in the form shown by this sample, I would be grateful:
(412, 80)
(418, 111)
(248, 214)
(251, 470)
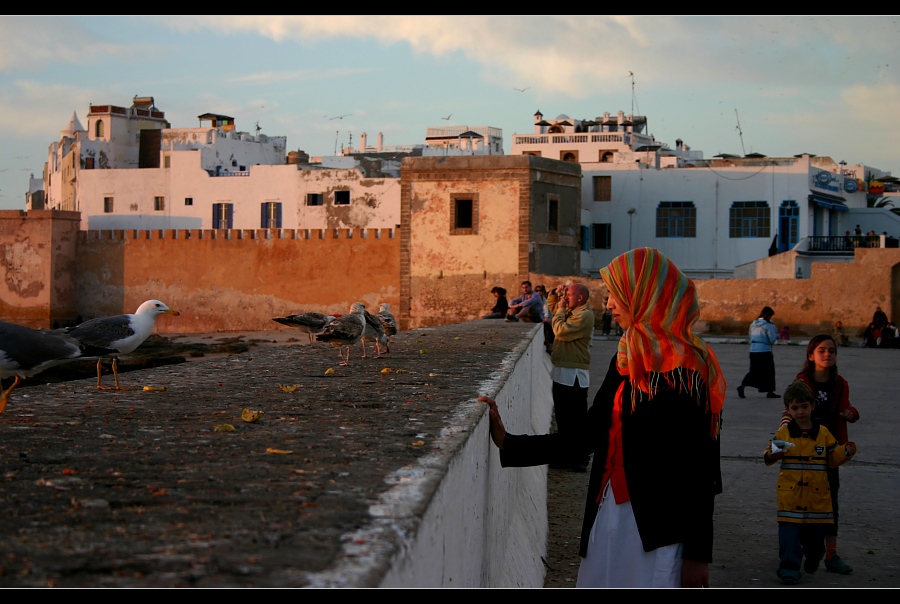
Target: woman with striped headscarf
(654, 432)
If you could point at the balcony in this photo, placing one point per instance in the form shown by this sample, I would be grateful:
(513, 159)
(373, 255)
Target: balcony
(844, 244)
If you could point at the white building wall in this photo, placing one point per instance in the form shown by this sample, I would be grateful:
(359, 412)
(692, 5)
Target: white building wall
(374, 203)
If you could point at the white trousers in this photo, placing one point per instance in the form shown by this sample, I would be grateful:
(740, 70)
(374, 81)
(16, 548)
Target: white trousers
(616, 557)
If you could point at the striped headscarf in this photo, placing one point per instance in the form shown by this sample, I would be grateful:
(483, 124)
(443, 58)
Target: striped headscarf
(659, 345)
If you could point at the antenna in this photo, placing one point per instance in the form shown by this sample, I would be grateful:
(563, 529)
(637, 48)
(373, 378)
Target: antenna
(740, 134)
(631, 75)
(336, 132)
(350, 143)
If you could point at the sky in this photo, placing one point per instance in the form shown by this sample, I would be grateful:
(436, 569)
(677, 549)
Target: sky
(776, 85)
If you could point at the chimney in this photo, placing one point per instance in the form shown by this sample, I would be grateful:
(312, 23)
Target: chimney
(362, 142)
(380, 144)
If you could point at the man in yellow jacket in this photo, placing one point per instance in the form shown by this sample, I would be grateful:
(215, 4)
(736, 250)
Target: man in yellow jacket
(573, 325)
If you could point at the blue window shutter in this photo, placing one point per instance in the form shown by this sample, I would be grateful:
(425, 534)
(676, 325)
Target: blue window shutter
(230, 215)
(215, 222)
(278, 215)
(264, 222)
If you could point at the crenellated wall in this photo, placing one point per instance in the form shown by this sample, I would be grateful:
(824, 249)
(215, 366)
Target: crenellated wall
(236, 280)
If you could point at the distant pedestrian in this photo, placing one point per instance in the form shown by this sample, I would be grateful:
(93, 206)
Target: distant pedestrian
(806, 449)
(501, 306)
(763, 335)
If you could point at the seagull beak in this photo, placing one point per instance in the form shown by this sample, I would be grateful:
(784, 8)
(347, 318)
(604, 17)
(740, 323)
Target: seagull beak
(173, 312)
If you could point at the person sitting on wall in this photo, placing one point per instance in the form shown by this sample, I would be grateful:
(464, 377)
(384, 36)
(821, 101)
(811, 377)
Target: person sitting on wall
(527, 307)
(501, 307)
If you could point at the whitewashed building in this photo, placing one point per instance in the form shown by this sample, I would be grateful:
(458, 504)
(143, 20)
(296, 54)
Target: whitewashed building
(708, 215)
(130, 170)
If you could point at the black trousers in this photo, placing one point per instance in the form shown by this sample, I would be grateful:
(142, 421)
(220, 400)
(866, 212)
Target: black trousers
(570, 406)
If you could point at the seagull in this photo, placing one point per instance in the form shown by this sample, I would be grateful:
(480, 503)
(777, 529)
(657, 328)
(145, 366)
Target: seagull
(522, 89)
(374, 331)
(120, 333)
(389, 322)
(25, 352)
(340, 117)
(346, 330)
(310, 323)
(447, 118)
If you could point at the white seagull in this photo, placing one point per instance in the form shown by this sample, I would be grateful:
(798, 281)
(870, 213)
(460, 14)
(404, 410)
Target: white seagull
(25, 352)
(345, 330)
(120, 333)
(311, 323)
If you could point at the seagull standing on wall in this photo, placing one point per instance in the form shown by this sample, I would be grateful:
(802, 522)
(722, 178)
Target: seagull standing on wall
(374, 332)
(25, 352)
(389, 322)
(311, 323)
(120, 333)
(346, 330)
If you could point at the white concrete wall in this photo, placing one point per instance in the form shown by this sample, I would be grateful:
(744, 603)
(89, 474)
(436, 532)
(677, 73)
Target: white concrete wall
(461, 519)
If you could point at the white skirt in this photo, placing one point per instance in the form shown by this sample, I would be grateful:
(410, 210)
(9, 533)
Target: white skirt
(616, 556)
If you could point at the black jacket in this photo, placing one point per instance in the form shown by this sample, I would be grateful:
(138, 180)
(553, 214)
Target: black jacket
(671, 464)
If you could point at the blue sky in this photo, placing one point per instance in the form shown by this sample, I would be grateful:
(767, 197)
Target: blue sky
(823, 85)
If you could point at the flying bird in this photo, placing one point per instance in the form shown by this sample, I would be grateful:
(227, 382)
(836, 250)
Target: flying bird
(447, 118)
(389, 322)
(374, 332)
(340, 117)
(120, 333)
(345, 330)
(311, 323)
(522, 89)
(25, 352)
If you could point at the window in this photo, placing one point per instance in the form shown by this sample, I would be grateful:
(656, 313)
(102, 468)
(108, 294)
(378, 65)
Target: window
(107, 205)
(533, 153)
(569, 156)
(603, 188)
(314, 199)
(159, 204)
(188, 201)
(602, 236)
(167, 161)
(341, 198)
(676, 219)
(271, 215)
(223, 215)
(748, 219)
(552, 214)
(463, 214)
(98, 129)
(585, 238)
(606, 157)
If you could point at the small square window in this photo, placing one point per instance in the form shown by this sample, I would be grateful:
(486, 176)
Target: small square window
(167, 161)
(107, 204)
(314, 199)
(159, 204)
(341, 198)
(188, 201)
(553, 214)
(463, 214)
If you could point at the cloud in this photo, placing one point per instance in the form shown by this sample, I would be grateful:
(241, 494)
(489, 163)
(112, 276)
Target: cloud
(29, 44)
(302, 75)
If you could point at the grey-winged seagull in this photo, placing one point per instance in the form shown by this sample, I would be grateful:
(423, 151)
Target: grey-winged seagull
(120, 333)
(390, 323)
(25, 352)
(345, 330)
(311, 323)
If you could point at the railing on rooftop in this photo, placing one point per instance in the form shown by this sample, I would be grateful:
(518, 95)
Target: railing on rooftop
(843, 243)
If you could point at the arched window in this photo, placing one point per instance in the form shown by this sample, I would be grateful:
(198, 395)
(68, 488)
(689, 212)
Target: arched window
(606, 156)
(98, 129)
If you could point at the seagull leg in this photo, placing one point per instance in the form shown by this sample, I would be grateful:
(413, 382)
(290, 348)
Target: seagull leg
(4, 398)
(116, 375)
(343, 360)
(99, 373)
(364, 349)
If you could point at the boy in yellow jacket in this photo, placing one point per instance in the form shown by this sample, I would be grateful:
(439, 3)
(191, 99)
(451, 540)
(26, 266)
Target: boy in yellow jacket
(806, 449)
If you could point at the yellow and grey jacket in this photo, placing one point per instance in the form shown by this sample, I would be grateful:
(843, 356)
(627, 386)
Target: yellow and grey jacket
(803, 492)
(572, 330)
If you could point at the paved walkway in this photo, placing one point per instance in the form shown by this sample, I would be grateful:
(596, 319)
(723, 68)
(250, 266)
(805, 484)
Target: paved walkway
(746, 543)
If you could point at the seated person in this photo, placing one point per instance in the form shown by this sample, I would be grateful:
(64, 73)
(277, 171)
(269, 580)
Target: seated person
(528, 307)
(501, 307)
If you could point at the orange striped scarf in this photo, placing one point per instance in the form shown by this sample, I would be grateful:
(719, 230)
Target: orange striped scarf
(659, 346)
